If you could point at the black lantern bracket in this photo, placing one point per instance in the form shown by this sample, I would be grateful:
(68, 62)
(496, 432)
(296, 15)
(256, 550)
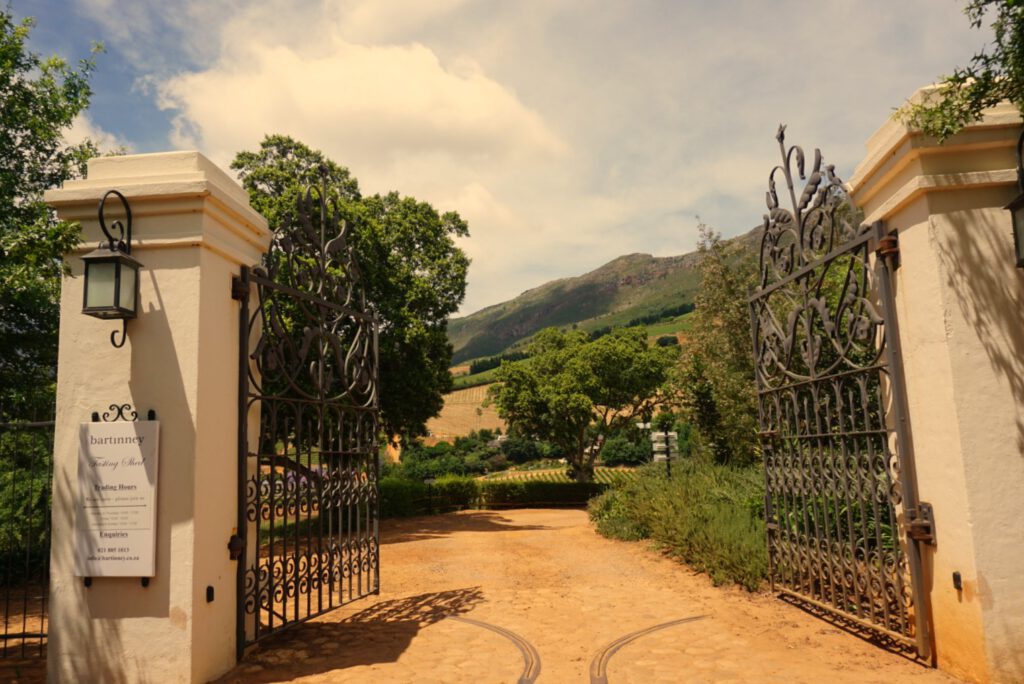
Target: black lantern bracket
(123, 241)
(112, 273)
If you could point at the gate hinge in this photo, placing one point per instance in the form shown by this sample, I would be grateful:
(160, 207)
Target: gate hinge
(239, 289)
(889, 246)
(236, 545)
(922, 524)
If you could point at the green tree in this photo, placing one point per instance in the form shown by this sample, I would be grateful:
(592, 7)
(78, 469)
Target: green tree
(715, 376)
(576, 393)
(619, 450)
(412, 270)
(39, 98)
(994, 74)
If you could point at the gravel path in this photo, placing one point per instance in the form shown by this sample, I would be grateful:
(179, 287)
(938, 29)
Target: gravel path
(537, 595)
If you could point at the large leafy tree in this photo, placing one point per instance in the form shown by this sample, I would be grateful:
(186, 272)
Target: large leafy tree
(39, 98)
(994, 74)
(715, 377)
(575, 393)
(411, 268)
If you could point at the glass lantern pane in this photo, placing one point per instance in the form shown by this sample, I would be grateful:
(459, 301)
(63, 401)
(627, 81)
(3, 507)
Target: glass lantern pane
(127, 300)
(99, 284)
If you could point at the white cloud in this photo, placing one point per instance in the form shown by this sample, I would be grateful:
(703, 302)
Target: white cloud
(82, 128)
(566, 132)
(368, 102)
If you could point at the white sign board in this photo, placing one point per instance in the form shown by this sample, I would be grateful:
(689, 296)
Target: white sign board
(116, 508)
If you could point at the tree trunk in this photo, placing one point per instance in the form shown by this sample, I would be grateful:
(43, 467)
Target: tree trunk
(582, 467)
(584, 473)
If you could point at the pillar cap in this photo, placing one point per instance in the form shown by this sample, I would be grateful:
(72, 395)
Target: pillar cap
(902, 163)
(165, 184)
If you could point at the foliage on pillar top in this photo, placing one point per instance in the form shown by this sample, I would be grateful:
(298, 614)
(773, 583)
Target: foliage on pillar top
(994, 74)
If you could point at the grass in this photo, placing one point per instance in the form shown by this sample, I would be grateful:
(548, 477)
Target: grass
(467, 381)
(707, 516)
(683, 323)
(609, 476)
(463, 412)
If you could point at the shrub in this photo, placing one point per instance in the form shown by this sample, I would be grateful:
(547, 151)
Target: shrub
(501, 492)
(520, 450)
(665, 421)
(512, 493)
(609, 514)
(452, 492)
(468, 455)
(401, 497)
(25, 467)
(497, 462)
(542, 492)
(620, 451)
(419, 463)
(707, 516)
(486, 364)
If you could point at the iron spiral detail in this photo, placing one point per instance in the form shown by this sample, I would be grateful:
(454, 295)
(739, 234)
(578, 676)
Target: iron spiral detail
(834, 500)
(308, 500)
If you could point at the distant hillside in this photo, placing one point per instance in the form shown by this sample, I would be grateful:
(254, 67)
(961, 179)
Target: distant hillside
(625, 288)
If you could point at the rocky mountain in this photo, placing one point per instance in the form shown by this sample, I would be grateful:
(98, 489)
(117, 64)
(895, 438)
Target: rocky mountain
(628, 287)
(624, 289)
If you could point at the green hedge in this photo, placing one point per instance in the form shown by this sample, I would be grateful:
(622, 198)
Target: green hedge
(453, 492)
(536, 493)
(709, 516)
(400, 497)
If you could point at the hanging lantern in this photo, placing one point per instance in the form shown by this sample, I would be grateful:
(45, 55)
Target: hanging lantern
(112, 274)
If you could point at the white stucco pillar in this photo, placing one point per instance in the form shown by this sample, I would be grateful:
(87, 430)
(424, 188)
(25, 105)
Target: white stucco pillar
(960, 302)
(193, 227)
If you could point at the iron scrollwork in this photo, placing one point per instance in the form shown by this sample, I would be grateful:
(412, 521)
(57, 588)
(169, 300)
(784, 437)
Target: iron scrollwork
(308, 492)
(317, 341)
(121, 243)
(120, 412)
(834, 503)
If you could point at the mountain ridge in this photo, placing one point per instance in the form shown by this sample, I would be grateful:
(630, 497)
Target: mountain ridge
(628, 287)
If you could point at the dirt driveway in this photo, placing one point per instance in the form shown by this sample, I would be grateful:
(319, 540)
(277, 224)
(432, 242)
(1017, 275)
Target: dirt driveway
(537, 595)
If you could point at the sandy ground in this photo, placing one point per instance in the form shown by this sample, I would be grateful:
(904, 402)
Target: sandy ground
(537, 595)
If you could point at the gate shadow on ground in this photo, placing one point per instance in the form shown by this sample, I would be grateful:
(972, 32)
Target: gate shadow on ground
(438, 526)
(377, 634)
(23, 670)
(875, 638)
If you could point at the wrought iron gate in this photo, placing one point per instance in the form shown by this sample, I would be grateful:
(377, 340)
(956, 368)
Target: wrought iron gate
(26, 474)
(307, 538)
(844, 523)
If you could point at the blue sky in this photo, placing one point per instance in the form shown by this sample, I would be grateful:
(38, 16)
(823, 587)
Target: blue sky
(567, 132)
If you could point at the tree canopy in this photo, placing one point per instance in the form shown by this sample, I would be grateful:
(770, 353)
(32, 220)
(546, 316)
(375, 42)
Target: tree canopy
(412, 270)
(39, 98)
(715, 377)
(994, 74)
(576, 393)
